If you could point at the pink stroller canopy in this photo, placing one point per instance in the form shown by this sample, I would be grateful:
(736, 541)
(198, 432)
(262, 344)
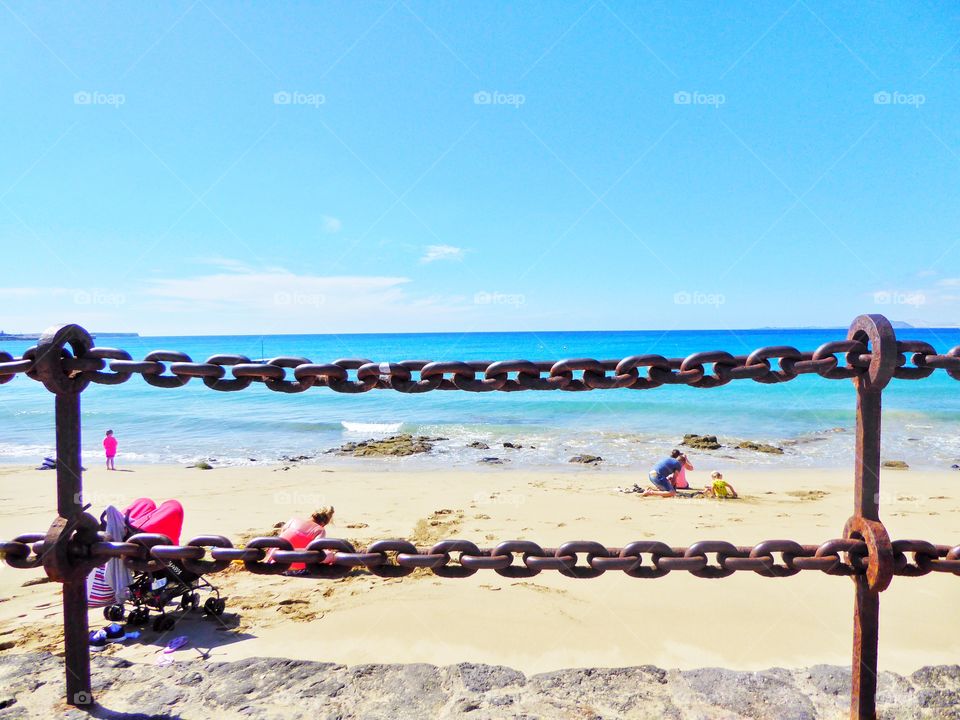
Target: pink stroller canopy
(146, 516)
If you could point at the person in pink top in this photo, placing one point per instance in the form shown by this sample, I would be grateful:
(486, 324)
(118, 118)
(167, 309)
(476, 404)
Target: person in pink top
(110, 449)
(302, 532)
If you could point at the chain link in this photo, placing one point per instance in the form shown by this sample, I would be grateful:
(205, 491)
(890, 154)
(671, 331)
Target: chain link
(837, 360)
(647, 559)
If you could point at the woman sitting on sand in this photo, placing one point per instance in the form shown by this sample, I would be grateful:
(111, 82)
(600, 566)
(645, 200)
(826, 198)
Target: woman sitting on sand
(661, 473)
(301, 533)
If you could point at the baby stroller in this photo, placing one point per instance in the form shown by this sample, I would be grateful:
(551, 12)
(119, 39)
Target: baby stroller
(167, 580)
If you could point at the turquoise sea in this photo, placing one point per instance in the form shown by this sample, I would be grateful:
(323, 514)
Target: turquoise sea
(628, 428)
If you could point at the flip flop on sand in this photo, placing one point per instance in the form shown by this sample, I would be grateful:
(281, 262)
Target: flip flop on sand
(175, 644)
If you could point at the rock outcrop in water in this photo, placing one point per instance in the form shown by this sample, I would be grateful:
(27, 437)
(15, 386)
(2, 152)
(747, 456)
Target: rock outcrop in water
(295, 689)
(701, 442)
(760, 447)
(586, 459)
(393, 446)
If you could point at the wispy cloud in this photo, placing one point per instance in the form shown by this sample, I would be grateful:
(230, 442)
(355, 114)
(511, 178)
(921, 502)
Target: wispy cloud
(331, 224)
(433, 253)
(270, 288)
(224, 263)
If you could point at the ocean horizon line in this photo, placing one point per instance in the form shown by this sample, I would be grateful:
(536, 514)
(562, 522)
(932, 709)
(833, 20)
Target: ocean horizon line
(805, 328)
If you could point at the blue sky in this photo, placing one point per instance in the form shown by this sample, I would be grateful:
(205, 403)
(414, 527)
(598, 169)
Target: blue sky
(207, 167)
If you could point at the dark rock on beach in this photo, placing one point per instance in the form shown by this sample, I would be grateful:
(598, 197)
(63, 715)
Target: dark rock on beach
(586, 459)
(393, 446)
(701, 442)
(895, 464)
(760, 447)
(493, 461)
(295, 458)
(512, 446)
(477, 445)
(301, 689)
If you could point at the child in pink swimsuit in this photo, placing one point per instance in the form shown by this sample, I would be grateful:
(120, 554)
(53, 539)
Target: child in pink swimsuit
(110, 448)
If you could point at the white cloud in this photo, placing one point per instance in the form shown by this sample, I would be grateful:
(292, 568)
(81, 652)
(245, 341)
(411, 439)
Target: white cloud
(224, 263)
(331, 224)
(268, 289)
(926, 273)
(949, 282)
(442, 252)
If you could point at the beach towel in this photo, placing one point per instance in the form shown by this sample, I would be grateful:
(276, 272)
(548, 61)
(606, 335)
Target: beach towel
(107, 584)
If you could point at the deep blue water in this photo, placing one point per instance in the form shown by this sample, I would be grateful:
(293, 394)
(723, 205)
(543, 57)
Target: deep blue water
(627, 427)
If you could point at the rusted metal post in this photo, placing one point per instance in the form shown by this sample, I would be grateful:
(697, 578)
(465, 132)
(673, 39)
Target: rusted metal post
(72, 525)
(878, 332)
(76, 640)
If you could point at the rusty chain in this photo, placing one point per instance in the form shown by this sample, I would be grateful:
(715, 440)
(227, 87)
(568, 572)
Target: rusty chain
(842, 359)
(334, 558)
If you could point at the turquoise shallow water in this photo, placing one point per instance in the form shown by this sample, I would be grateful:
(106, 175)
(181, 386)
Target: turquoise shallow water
(628, 428)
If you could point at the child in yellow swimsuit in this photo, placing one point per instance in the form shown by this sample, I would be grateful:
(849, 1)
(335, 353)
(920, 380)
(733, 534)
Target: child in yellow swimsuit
(719, 488)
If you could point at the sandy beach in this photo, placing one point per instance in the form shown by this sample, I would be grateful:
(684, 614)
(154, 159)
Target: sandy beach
(539, 624)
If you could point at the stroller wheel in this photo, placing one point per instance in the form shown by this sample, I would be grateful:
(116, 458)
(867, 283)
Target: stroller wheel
(190, 601)
(162, 623)
(114, 613)
(214, 606)
(138, 616)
